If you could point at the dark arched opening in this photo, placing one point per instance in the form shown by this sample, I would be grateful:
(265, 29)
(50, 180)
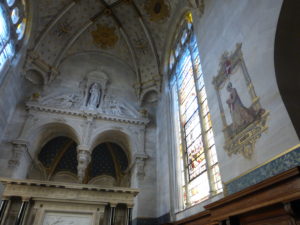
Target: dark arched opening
(109, 160)
(59, 155)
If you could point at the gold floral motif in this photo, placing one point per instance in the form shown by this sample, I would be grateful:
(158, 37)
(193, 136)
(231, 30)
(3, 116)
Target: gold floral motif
(104, 36)
(157, 10)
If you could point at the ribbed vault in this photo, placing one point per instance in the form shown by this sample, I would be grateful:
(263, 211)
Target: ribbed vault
(133, 31)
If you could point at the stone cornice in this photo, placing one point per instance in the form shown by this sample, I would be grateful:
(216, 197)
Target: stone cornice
(67, 192)
(74, 186)
(86, 113)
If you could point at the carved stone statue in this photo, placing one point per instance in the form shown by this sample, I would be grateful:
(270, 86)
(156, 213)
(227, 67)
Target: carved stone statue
(94, 96)
(240, 114)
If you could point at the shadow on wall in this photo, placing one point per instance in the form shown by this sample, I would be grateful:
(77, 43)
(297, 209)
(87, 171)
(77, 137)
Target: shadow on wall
(287, 59)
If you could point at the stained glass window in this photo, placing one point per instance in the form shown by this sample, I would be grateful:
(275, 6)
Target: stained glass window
(198, 163)
(12, 29)
(15, 15)
(21, 29)
(10, 2)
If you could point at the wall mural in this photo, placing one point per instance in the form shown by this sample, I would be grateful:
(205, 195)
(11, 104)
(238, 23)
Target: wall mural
(157, 10)
(243, 118)
(104, 36)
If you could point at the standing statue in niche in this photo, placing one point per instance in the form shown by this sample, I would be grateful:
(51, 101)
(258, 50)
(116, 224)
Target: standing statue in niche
(94, 97)
(241, 115)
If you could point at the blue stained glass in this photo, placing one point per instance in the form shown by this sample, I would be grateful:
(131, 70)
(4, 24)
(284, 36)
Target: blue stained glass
(21, 29)
(15, 15)
(10, 2)
(6, 47)
(4, 28)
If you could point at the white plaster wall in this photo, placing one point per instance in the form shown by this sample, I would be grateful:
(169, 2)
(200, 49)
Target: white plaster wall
(146, 199)
(253, 23)
(163, 158)
(12, 89)
(223, 25)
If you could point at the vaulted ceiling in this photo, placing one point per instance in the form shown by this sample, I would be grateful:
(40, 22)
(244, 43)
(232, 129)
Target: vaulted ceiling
(133, 31)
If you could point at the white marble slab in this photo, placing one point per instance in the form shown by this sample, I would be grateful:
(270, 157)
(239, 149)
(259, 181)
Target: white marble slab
(53, 218)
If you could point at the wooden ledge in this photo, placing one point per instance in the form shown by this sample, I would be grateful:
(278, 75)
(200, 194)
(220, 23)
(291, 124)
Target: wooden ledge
(257, 187)
(275, 191)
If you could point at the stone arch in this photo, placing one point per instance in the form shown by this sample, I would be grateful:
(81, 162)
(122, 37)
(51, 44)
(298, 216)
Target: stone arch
(182, 11)
(64, 176)
(114, 136)
(149, 96)
(39, 136)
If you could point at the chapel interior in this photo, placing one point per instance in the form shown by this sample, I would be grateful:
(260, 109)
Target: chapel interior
(149, 112)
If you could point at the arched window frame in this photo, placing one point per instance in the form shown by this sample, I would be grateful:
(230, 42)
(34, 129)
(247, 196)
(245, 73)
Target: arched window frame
(11, 41)
(185, 71)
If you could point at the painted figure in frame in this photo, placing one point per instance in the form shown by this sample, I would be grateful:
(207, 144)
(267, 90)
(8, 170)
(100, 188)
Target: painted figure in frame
(241, 115)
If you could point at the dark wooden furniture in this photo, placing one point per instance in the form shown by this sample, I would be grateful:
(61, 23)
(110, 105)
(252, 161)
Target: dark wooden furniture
(272, 201)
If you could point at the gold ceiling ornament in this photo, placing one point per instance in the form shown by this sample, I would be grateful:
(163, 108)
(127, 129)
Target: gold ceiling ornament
(157, 10)
(104, 36)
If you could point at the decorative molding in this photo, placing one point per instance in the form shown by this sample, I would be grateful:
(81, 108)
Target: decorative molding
(104, 36)
(37, 189)
(197, 4)
(248, 123)
(277, 165)
(35, 63)
(157, 10)
(85, 113)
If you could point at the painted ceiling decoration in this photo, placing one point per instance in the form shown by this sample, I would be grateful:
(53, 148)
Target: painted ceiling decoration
(104, 36)
(130, 30)
(157, 10)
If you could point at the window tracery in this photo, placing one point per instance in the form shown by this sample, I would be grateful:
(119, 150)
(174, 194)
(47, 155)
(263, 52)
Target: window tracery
(198, 163)
(12, 28)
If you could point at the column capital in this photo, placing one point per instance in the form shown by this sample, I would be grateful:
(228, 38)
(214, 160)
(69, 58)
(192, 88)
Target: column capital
(25, 199)
(83, 148)
(5, 198)
(113, 204)
(130, 206)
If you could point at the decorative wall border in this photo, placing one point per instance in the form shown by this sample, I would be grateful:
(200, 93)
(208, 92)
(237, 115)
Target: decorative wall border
(278, 164)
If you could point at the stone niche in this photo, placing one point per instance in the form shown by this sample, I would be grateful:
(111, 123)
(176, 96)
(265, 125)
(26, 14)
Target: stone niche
(33, 202)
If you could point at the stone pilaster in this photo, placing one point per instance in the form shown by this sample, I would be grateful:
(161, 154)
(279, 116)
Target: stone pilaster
(84, 158)
(139, 165)
(20, 159)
